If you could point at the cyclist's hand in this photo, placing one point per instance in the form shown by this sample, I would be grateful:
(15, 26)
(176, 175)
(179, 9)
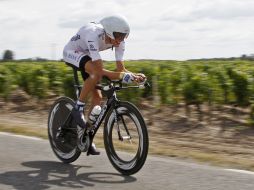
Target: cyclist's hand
(128, 78)
(140, 78)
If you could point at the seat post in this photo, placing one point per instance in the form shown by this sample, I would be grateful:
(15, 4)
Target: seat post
(76, 83)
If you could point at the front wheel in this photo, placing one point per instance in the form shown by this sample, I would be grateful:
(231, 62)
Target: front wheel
(126, 138)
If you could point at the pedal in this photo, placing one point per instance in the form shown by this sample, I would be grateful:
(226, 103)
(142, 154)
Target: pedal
(83, 141)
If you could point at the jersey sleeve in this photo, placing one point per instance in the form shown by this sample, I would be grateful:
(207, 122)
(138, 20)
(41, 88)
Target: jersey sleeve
(93, 48)
(119, 51)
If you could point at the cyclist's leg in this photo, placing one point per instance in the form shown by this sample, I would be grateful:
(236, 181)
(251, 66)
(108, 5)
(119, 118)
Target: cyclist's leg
(77, 59)
(94, 69)
(96, 99)
(91, 75)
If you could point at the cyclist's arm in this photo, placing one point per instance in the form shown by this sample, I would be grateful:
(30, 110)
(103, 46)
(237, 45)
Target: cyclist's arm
(120, 67)
(121, 75)
(119, 52)
(97, 67)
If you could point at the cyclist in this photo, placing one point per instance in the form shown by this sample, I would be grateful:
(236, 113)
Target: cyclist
(82, 51)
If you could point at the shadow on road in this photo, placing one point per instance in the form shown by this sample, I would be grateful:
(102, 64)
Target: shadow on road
(48, 173)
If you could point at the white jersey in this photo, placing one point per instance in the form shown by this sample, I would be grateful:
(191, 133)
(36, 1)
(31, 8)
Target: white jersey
(90, 40)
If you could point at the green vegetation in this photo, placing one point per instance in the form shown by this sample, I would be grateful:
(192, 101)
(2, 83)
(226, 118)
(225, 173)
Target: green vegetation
(210, 82)
(191, 82)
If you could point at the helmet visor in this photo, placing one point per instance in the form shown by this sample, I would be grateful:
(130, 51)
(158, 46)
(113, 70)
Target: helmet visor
(120, 36)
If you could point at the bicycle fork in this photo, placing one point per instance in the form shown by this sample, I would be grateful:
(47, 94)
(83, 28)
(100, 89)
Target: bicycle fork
(120, 137)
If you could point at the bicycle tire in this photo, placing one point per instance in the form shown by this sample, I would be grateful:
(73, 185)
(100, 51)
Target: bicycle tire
(132, 166)
(66, 152)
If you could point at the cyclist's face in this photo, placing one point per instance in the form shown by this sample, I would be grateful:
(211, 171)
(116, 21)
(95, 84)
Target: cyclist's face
(116, 42)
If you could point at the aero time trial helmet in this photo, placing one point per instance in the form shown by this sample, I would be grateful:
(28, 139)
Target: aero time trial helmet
(116, 26)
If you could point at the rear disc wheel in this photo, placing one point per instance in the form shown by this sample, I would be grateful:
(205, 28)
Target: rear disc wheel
(63, 141)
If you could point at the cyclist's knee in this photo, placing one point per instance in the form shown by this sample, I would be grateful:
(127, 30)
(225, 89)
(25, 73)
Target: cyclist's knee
(95, 69)
(96, 76)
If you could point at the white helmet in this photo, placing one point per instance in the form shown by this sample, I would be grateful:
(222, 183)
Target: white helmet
(115, 24)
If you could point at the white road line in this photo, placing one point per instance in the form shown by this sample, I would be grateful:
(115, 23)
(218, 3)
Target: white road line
(240, 171)
(20, 136)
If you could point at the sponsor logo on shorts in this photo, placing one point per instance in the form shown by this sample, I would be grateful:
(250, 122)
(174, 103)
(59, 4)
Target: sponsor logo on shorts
(73, 57)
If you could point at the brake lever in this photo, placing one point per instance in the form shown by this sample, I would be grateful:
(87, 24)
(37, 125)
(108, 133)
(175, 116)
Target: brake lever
(145, 85)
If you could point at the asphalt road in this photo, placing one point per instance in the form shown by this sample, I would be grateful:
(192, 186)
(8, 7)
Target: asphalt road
(27, 163)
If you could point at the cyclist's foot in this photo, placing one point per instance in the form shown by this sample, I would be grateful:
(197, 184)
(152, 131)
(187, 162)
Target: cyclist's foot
(92, 150)
(78, 114)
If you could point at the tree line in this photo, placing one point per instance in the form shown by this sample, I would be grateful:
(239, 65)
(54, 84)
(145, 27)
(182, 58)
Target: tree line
(8, 55)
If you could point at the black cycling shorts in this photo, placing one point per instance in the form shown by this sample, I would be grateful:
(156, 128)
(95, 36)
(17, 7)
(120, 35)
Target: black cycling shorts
(82, 64)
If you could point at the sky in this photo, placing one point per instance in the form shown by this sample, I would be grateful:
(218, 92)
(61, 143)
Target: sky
(161, 29)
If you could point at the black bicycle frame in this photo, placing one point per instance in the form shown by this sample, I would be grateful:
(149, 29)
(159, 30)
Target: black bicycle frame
(112, 101)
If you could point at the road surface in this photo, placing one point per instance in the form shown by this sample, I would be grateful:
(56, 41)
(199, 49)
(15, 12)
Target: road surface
(29, 163)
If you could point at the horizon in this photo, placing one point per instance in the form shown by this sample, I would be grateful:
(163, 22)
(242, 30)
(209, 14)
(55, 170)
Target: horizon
(243, 56)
